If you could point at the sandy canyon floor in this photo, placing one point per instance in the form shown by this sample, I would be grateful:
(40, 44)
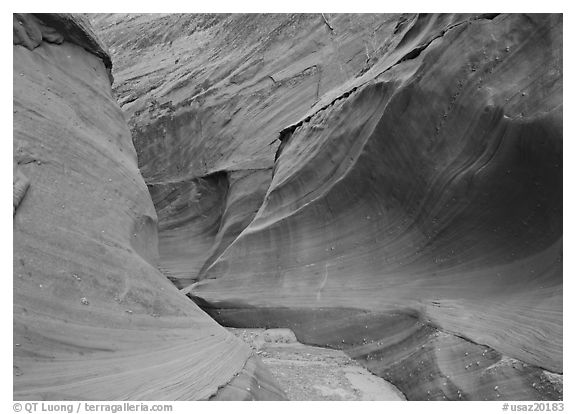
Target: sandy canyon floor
(311, 373)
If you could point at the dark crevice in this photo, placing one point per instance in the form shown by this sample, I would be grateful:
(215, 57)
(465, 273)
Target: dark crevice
(203, 176)
(414, 53)
(28, 161)
(286, 133)
(326, 22)
(77, 31)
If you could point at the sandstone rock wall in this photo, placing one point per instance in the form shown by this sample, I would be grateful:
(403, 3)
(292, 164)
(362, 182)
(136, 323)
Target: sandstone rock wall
(93, 317)
(412, 209)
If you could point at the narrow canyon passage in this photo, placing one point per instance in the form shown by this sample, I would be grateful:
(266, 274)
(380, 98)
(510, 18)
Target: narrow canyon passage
(387, 187)
(312, 230)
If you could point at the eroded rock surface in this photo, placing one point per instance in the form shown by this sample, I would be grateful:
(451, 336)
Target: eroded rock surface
(311, 373)
(93, 317)
(401, 190)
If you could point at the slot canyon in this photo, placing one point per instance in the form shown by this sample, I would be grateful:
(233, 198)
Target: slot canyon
(386, 187)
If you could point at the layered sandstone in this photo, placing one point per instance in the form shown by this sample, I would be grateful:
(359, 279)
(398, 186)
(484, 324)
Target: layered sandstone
(390, 185)
(93, 317)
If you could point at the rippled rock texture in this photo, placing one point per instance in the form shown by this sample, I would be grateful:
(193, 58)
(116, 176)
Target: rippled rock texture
(389, 184)
(93, 317)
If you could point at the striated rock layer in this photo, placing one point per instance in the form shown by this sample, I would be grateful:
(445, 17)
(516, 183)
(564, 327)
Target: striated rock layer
(93, 317)
(411, 212)
(206, 96)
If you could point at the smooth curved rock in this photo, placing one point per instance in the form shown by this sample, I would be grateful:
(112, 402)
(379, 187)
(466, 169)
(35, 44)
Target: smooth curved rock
(206, 96)
(93, 317)
(417, 174)
(437, 186)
